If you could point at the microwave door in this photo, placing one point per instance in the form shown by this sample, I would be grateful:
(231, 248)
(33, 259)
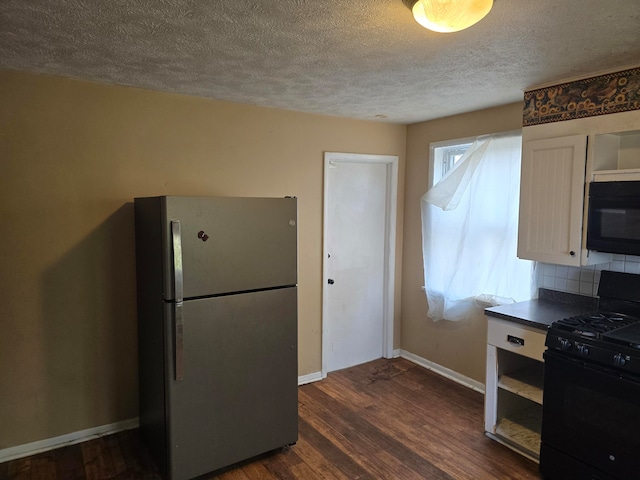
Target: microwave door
(614, 225)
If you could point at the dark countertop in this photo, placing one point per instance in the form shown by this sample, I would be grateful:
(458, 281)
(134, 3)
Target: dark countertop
(544, 310)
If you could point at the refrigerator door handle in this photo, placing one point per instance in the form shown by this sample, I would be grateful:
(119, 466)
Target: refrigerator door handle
(178, 287)
(179, 342)
(178, 284)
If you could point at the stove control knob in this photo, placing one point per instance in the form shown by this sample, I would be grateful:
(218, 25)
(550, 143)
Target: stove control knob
(619, 360)
(564, 344)
(583, 350)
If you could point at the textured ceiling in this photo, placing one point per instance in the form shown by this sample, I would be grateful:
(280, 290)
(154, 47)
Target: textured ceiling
(350, 58)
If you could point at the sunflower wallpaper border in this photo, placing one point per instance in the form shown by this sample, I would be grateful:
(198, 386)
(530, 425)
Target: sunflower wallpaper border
(601, 95)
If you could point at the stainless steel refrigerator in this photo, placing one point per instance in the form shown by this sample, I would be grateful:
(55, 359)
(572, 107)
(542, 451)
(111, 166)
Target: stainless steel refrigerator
(217, 329)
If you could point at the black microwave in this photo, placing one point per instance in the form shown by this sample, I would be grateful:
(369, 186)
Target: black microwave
(614, 217)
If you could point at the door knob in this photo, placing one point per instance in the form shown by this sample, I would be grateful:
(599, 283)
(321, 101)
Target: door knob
(330, 281)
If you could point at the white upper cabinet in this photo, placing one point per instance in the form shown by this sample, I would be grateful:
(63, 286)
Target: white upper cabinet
(551, 199)
(574, 133)
(559, 161)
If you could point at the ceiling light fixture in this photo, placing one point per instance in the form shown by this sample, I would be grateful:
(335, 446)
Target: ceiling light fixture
(447, 16)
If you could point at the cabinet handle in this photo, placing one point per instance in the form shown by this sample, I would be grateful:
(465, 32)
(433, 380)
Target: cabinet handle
(519, 342)
(572, 253)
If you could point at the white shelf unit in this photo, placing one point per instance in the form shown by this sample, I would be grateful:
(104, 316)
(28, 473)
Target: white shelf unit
(514, 386)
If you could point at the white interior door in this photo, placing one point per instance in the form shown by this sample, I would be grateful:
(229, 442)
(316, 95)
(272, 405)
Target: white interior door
(357, 244)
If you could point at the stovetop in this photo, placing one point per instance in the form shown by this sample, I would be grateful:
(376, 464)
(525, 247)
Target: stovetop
(609, 340)
(597, 324)
(609, 336)
(628, 336)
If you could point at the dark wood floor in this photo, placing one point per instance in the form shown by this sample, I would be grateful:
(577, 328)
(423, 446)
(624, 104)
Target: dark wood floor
(387, 419)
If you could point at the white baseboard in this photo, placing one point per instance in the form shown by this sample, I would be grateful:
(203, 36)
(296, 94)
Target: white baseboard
(40, 446)
(445, 372)
(311, 377)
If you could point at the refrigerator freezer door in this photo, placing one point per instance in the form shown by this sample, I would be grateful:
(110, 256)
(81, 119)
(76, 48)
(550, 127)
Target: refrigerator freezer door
(231, 244)
(238, 397)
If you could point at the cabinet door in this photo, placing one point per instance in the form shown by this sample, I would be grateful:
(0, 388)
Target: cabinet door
(551, 199)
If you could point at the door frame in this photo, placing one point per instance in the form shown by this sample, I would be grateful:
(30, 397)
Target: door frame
(391, 162)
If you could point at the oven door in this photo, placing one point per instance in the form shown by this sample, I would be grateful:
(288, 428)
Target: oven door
(590, 421)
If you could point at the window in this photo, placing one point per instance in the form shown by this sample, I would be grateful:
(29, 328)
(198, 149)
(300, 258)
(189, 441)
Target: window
(469, 226)
(445, 155)
(451, 155)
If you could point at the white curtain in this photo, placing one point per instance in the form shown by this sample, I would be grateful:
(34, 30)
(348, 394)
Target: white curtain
(469, 231)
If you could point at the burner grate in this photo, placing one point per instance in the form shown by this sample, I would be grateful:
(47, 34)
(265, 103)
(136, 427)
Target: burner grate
(594, 324)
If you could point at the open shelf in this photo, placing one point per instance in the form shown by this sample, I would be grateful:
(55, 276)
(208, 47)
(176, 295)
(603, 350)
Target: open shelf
(616, 156)
(525, 382)
(522, 429)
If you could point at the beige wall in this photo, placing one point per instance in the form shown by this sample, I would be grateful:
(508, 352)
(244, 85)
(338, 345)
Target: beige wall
(459, 346)
(73, 156)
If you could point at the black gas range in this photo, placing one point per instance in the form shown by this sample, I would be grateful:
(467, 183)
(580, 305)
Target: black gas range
(608, 338)
(591, 404)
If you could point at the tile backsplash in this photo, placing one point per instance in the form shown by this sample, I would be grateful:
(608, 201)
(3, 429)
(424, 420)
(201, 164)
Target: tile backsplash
(582, 280)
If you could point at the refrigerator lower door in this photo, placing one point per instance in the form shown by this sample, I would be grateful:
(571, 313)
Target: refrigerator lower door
(238, 394)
